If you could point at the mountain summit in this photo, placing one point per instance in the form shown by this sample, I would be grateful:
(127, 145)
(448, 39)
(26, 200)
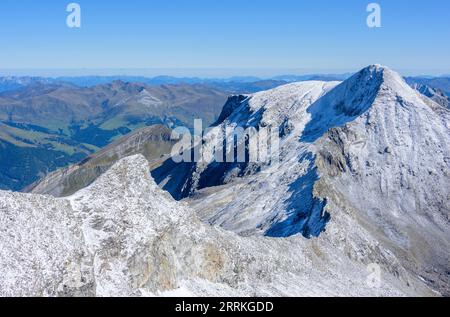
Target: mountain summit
(370, 153)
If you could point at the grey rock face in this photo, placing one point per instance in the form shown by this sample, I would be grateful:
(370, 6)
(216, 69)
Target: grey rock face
(123, 236)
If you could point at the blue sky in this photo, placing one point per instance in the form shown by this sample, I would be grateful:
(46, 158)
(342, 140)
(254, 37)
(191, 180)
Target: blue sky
(225, 37)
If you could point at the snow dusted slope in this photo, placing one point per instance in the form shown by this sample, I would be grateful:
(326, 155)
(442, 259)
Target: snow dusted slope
(256, 210)
(124, 236)
(41, 247)
(363, 163)
(391, 166)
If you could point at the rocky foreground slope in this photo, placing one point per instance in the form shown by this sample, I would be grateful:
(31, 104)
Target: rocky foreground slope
(361, 188)
(123, 236)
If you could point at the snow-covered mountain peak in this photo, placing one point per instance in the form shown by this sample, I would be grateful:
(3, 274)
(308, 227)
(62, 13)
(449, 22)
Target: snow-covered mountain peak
(326, 103)
(378, 70)
(375, 77)
(385, 80)
(318, 105)
(371, 147)
(375, 86)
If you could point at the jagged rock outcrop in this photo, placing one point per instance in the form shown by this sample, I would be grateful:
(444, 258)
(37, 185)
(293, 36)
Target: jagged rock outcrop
(123, 236)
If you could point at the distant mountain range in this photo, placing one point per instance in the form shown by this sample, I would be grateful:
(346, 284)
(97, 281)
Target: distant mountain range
(238, 84)
(154, 143)
(441, 83)
(49, 123)
(434, 94)
(44, 126)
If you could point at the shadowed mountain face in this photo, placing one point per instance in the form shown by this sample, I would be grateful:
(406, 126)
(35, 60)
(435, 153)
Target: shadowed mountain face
(45, 126)
(154, 143)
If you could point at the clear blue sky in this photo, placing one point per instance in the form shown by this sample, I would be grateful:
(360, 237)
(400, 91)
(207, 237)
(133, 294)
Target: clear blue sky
(228, 35)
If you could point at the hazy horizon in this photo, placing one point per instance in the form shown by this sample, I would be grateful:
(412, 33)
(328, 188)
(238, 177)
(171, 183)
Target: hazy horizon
(206, 73)
(221, 39)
